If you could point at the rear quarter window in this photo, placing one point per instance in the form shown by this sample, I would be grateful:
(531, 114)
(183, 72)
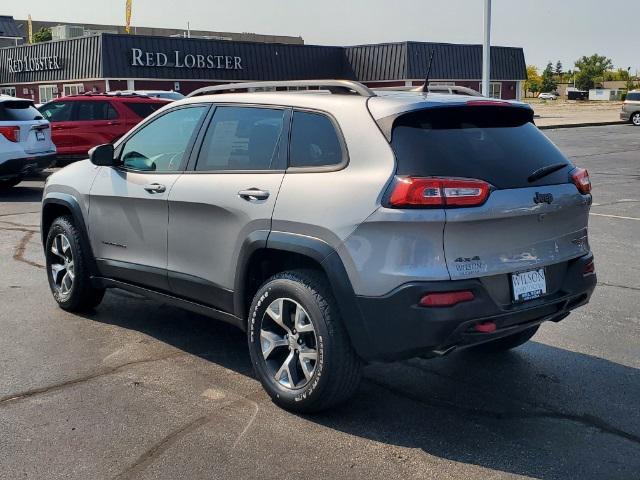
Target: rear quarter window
(635, 96)
(499, 145)
(314, 141)
(18, 112)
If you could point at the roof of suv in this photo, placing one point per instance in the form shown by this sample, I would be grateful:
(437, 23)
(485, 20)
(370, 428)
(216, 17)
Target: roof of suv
(383, 104)
(112, 97)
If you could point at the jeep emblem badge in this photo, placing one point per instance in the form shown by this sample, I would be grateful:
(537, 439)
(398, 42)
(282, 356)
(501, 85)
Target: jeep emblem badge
(543, 198)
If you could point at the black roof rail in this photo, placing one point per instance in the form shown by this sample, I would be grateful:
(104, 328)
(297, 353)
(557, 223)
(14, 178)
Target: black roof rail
(333, 86)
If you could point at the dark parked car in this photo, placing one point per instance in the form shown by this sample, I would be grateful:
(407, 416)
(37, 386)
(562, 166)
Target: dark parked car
(81, 122)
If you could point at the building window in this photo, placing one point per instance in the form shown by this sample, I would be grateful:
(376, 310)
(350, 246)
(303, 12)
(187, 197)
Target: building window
(48, 93)
(73, 89)
(11, 91)
(495, 90)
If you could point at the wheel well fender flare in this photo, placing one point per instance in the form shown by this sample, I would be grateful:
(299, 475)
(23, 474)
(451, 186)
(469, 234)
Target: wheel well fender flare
(329, 261)
(70, 203)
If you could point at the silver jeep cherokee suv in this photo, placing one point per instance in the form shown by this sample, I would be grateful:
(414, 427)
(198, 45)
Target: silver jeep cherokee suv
(336, 226)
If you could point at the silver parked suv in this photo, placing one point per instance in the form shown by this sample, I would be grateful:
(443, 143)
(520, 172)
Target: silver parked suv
(336, 226)
(631, 108)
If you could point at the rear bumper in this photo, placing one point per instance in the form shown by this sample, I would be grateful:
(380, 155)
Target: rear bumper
(625, 116)
(19, 167)
(396, 327)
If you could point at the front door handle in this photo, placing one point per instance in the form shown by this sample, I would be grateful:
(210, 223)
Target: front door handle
(155, 188)
(253, 194)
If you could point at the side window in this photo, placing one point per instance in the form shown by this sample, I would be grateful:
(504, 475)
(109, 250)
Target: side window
(242, 138)
(57, 111)
(314, 141)
(94, 111)
(161, 144)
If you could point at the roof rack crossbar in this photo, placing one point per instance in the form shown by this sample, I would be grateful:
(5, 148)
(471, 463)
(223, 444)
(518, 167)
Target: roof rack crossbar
(333, 86)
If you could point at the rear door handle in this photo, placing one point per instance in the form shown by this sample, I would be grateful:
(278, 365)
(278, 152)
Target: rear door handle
(253, 194)
(155, 188)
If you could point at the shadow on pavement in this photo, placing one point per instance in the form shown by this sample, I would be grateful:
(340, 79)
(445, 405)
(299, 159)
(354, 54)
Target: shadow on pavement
(539, 411)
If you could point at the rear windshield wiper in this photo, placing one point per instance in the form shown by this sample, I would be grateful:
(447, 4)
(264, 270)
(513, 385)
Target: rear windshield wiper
(544, 171)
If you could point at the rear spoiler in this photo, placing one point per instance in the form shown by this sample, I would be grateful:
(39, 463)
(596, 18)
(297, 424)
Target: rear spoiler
(386, 124)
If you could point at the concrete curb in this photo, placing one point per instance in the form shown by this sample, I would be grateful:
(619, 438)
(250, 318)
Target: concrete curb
(578, 125)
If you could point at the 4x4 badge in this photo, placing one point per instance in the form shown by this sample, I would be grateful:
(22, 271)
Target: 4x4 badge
(543, 198)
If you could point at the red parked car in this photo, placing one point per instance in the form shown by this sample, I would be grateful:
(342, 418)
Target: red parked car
(80, 122)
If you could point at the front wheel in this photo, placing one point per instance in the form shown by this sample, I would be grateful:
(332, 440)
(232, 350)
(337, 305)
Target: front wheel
(67, 270)
(635, 119)
(299, 348)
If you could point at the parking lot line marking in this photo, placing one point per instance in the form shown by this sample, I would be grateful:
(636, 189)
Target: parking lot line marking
(614, 216)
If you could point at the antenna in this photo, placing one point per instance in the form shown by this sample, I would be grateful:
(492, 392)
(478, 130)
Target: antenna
(425, 87)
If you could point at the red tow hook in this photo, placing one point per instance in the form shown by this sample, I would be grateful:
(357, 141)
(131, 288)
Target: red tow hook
(485, 327)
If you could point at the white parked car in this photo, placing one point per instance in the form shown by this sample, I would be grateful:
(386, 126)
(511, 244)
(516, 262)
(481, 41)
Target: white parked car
(25, 141)
(548, 96)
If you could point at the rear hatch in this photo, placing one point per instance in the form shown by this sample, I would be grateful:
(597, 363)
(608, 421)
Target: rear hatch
(34, 135)
(532, 214)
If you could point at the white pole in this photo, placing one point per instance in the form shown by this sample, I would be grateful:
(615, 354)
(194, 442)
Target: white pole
(486, 49)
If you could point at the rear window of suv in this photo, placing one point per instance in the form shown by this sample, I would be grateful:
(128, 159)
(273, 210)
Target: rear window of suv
(18, 112)
(143, 110)
(634, 96)
(499, 145)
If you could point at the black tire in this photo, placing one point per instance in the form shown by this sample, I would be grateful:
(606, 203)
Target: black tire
(507, 343)
(337, 369)
(635, 119)
(12, 182)
(81, 296)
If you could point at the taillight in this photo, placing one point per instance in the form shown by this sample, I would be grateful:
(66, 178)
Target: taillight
(580, 178)
(446, 299)
(11, 133)
(438, 192)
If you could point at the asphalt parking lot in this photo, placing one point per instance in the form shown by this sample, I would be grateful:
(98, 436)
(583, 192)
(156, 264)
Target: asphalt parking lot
(141, 390)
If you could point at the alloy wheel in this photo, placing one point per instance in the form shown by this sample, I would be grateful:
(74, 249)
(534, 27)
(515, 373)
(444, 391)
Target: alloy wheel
(62, 264)
(288, 343)
(636, 119)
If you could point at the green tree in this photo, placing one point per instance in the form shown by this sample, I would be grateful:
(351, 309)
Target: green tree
(548, 83)
(591, 69)
(532, 84)
(43, 35)
(559, 71)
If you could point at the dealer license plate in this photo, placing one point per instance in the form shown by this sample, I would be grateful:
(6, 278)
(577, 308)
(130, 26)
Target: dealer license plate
(39, 136)
(528, 285)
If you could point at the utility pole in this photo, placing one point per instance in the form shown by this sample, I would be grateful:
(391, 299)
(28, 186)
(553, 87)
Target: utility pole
(486, 49)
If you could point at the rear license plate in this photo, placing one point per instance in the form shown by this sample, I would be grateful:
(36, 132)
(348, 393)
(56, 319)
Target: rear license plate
(40, 136)
(528, 285)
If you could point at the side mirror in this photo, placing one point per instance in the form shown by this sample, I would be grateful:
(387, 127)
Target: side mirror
(103, 155)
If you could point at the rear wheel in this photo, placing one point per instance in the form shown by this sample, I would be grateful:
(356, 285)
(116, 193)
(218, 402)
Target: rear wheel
(635, 119)
(67, 258)
(299, 348)
(12, 182)
(507, 343)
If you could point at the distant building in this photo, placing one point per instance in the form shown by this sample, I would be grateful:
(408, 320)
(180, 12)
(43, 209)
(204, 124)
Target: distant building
(10, 33)
(109, 62)
(67, 30)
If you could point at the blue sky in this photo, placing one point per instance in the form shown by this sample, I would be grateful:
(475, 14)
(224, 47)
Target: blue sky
(547, 30)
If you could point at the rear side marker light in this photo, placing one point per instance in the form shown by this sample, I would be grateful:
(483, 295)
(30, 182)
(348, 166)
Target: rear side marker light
(438, 192)
(11, 133)
(446, 299)
(589, 268)
(485, 327)
(580, 178)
